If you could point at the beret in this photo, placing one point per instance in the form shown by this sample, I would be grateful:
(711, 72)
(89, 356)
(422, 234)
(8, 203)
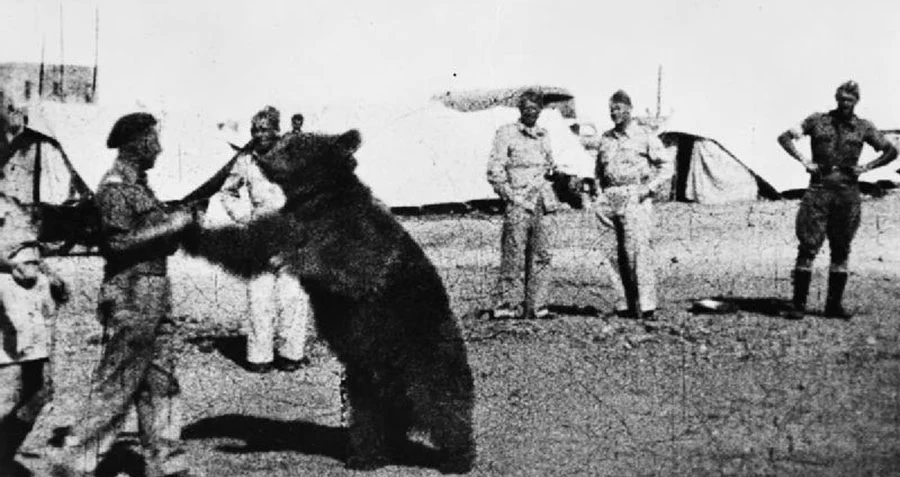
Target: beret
(128, 128)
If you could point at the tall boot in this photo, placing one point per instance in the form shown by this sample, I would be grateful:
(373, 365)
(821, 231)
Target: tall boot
(801, 291)
(837, 281)
(13, 432)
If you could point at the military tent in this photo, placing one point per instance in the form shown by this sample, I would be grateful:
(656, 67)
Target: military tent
(707, 172)
(193, 146)
(425, 153)
(76, 133)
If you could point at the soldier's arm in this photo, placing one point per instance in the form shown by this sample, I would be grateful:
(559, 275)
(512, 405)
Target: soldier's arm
(59, 290)
(786, 140)
(662, 162)
(113, 202)
(496, 169)
(551, 170)
(878, 142)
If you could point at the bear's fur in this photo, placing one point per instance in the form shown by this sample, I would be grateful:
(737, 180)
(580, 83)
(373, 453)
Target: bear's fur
(377, 300)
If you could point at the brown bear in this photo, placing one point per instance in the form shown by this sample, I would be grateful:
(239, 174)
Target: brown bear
(377, 300)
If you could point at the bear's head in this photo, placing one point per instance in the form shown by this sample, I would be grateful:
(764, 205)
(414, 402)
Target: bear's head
(310, 163)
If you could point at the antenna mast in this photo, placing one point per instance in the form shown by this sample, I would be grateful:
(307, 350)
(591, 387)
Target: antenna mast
(658, 91)
(41, 70)
(62, 59)
(96, 52)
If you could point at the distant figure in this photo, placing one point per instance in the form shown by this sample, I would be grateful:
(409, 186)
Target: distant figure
(631, 167)
(29, 296)
(279, 308)
(137, 367)
(518, 169)
(296, 123)
(831, 206)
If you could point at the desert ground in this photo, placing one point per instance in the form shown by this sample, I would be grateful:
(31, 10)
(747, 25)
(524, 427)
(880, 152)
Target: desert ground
(587, 393)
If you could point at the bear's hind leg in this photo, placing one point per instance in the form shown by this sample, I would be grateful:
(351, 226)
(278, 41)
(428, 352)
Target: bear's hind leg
(367, 446)
(450, 427)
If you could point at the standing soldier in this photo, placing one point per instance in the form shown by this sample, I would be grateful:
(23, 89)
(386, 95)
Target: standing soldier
(297, 124)
(831, 206)
(137, 366)
(279, 308)
(520, 162)
(631, 166)
(29, 295)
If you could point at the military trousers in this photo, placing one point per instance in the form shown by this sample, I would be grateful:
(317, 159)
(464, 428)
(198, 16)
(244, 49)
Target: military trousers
(25, 389)
(137, 367)
(627, 230)
(832, 213)
(524, 258)
(279, 317)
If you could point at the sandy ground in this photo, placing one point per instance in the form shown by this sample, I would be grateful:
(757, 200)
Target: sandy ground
(746, 393)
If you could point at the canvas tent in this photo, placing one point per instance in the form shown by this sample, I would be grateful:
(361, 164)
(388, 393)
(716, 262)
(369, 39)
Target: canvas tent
(424, 153)
(73, 157)
(706, 172)
(193, 147)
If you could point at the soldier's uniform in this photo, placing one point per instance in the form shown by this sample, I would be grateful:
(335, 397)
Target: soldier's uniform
(27, 324)
(137, 366)
(520, 159)
(831, 205)
(629, 164)
(279, 307)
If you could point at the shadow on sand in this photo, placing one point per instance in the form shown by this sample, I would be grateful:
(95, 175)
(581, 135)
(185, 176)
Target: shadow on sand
(232, 348)
(260, 434)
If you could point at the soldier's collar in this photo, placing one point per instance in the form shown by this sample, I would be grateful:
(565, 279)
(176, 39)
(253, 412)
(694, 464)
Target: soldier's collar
(534, 131)
(129, 171)
(835, 114)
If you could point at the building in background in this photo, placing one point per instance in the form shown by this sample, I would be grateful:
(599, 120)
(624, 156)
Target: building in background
(24, 83)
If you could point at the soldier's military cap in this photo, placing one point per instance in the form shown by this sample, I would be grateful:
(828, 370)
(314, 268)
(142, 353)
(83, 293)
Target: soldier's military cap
(850, 87)
(620, 97)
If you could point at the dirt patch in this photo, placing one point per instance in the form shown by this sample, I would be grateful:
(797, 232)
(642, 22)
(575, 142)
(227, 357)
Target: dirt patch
(745, 393)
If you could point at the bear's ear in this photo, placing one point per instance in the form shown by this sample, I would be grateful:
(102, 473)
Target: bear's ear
(349, 142)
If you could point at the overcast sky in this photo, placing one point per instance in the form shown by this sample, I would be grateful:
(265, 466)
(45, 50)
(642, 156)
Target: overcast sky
(741, 70)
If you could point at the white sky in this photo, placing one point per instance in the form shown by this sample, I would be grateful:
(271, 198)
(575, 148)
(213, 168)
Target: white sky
(758, 64)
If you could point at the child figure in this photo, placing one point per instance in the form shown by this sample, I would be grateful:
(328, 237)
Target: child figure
(30, 294)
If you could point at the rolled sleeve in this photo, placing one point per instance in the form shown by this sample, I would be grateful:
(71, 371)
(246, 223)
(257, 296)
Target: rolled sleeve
(660, 160)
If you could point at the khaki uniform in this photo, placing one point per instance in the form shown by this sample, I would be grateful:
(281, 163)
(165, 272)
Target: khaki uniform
(137, 366)
(520, 159)
(26, 328)
(629, 164)
(27, 325)
(279, 307)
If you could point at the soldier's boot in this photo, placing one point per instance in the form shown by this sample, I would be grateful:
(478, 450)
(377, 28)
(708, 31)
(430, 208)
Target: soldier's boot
(801, 292)
(837, 281)
(13, 432)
